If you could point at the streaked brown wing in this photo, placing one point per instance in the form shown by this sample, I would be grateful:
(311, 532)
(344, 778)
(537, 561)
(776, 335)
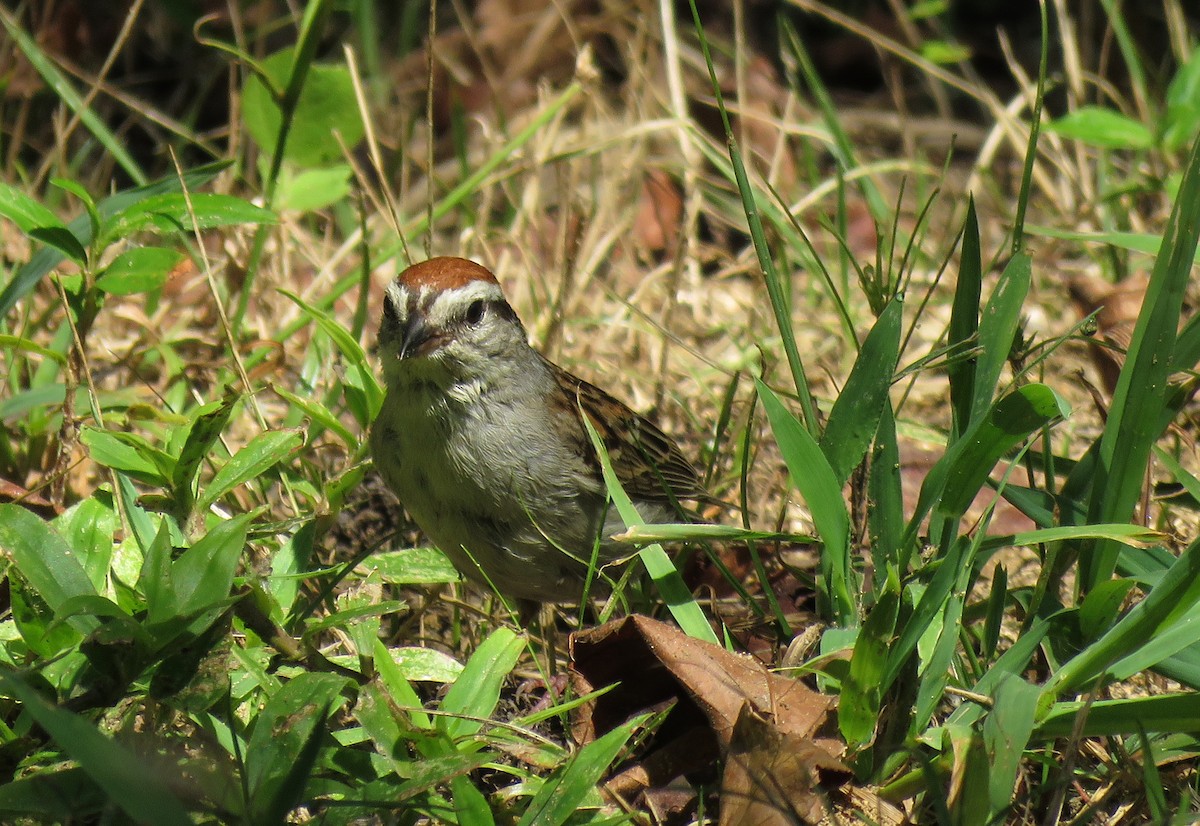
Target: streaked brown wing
(643, 457)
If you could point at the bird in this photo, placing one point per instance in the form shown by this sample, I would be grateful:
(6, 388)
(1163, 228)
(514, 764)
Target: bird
(482, 439)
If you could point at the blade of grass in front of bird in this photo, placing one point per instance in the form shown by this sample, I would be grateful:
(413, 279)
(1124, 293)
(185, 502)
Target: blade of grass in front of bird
(666, 577)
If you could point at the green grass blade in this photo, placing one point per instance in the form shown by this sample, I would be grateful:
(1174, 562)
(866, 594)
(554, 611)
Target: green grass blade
(1110, 718)
(1006, 733)
(560, 796)
(1135, 417)
(998, 328)
(259, 455)
(667, 580)
(1177, 591)
(822, 492)
(885, 516)
(62, 87)
(854, 420)
(1009, 422)
(775, 288)
(964, 323)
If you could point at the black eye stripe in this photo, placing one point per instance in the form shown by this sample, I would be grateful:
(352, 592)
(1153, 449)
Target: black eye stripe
(391, 316)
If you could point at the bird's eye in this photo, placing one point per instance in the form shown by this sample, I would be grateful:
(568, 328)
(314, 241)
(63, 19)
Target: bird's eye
(475, 311)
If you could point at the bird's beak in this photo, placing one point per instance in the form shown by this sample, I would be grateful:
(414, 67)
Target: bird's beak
(417, 340)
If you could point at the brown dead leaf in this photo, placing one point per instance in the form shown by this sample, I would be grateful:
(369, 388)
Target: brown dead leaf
(652, 664)
(775, 778)
(659, 215)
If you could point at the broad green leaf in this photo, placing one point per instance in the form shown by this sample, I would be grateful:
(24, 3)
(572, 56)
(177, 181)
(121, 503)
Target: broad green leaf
(326, 106)
(129, 453)
(321, 415)
(477, 690)
(174, 212)
(818, 484)
(282, 731)
(308, 190)
(89, 526)
(997, 330)
(399, 689)
(26, 212)
(410, 566)
(46, 260)
(206, 428)
(260, 454)
(79, 191)
(46, 562)
(203, 575)
(137, 789)
(154, 579)
(374, 713)
(1006, 733)
(138, 270)
(425, 665)
(61, 239)
(1097, 126)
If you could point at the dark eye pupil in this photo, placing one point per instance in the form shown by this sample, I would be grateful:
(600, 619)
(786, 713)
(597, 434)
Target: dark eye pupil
(475, 312)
